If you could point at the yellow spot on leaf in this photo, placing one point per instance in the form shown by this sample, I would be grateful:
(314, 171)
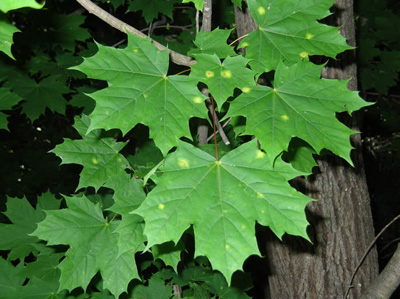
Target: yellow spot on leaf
(226, 74)
(183, 163)
(245, 44)
(95, 161)
(260, 154)
(284, 117)
(225, 211)
(197, 100)
(107, 112)
(135, 50)
(246, 89)
(303, 54)
(145, 95)
(309, 36)
(243, 226)
(161, 206)
(262, 211)
(259, 195)
(227, 246)
(209, 74)
(261, 10)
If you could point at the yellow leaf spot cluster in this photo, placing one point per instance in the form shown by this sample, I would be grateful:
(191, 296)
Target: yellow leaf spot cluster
(197, 100)
(226, 73)
(209, 74)
(284, 117)
(260, 154)
(303, 54)
(309, 36)
(261, 10)
(183, 163)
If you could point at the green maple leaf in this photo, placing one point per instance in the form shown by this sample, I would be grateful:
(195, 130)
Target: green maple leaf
(222, 78)
(10, 279)
(213, 42)
(92, 240)
(222, 200)
(155, 289)
(288, 30)
(7, 5)
(199, 4)
(151, 8)
(8, 99)
(302, 105)
(15, 236)
(128, 193)
(39, 96)
(140, 92)
(6, 36)
(99, 155)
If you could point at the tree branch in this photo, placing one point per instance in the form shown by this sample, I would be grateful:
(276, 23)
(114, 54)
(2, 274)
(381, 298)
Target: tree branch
(202, 128)
(388, 280)
(123, 27)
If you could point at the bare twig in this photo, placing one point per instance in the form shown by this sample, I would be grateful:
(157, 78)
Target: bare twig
(123, 27)
(218, 124)
(221, 126)
(366, 253)
(184, 28)
(202, 127)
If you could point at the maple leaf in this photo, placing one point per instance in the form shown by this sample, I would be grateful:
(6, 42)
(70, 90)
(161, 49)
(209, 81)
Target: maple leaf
(302, 105)
(24, 218)
(199, 4)
(39, 96)
(99, 155)
(6, 36)
(289, 31)
(223, 200)
(222, 78)
(213, 42)
(6, 5)
(92, 246)
(7, 100)
(140, 92)
(151, 8)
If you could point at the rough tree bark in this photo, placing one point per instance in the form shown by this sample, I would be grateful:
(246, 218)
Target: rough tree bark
(341, 221)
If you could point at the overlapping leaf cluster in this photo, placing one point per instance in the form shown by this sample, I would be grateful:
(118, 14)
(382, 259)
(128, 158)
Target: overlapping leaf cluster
(221, 199)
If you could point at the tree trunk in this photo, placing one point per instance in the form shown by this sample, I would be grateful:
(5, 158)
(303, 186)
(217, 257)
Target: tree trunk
(341, 220)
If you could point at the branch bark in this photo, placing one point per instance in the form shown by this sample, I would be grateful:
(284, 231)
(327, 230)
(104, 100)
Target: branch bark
(387, 281)
(202, 128)
(92, 8)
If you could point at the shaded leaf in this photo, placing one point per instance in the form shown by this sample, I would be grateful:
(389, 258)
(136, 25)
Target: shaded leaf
(16, 236)
(151, 8)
